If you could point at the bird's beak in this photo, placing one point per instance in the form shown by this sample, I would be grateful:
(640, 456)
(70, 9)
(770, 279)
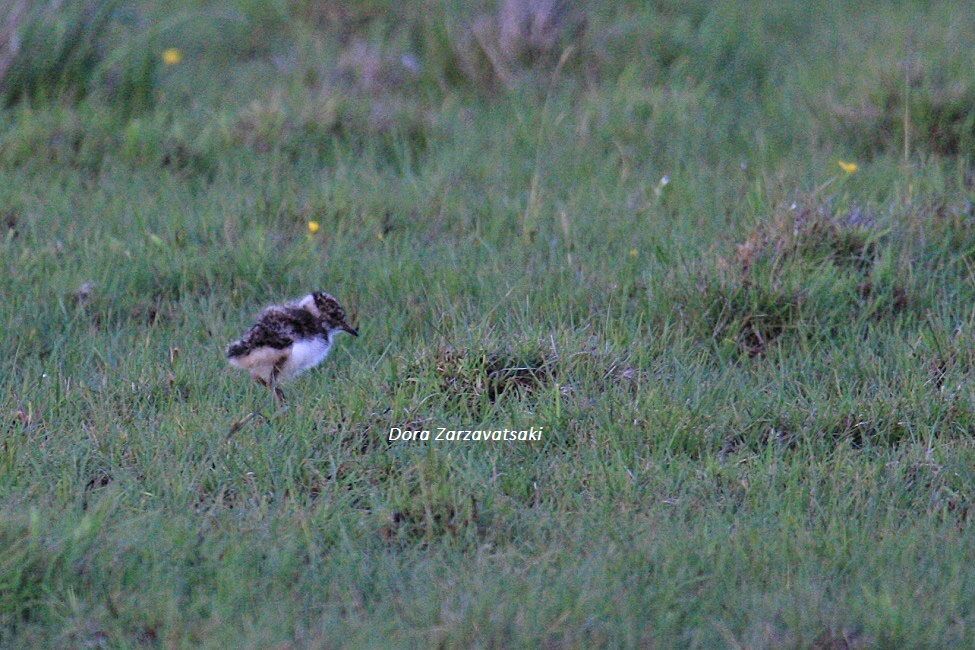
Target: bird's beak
(351, 330)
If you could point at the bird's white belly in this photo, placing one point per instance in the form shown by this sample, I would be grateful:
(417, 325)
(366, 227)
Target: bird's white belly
(305, 355)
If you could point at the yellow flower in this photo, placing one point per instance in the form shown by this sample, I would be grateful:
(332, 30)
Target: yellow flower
(848, 167)
(314, 226)
(634, 252)
(172, 56)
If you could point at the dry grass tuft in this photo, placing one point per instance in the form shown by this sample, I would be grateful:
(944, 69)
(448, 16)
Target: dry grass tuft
(529, 30)
(475, 374)
(497, 49)
(762, 291)
(472, 378)
(809, 229)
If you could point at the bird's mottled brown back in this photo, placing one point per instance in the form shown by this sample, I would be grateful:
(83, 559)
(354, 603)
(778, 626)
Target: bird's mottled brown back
(276, 328)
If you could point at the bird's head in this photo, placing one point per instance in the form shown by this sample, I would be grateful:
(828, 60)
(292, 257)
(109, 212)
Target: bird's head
(328, 310)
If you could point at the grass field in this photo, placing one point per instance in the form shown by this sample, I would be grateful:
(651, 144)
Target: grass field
(722, 253)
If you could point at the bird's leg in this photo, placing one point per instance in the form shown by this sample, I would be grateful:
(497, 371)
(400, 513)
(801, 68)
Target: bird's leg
(275, 372)
(275, 390)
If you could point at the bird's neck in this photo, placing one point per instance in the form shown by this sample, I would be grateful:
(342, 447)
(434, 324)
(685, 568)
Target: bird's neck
(331, 334)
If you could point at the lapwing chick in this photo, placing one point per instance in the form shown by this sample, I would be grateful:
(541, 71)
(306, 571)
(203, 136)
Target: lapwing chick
(289, 339)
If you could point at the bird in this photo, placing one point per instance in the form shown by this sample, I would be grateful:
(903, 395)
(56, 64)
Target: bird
(289, 339)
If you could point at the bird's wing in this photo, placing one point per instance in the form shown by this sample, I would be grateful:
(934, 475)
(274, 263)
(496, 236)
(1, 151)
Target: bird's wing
(269, 331)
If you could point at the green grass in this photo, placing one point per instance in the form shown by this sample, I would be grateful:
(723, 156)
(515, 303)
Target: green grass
(754, 380)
